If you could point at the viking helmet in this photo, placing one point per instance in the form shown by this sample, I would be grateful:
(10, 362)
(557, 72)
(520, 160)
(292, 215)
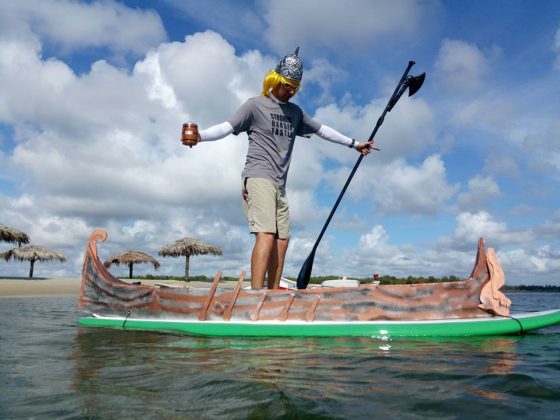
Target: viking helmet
(291, 66)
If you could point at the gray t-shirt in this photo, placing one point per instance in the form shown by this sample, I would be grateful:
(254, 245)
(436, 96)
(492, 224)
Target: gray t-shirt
(272, 129)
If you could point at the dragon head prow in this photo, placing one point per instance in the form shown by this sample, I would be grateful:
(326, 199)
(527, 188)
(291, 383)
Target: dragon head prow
(491, 298)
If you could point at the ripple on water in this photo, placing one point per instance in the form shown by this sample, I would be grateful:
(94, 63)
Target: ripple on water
(51, 368)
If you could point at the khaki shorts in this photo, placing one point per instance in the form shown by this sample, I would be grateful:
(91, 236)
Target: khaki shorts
(266, 207)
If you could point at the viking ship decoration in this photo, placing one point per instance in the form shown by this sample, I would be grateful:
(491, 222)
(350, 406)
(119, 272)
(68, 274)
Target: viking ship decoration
(474, 306)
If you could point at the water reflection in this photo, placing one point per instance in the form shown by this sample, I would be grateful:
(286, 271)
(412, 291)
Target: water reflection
(50, 368)
(320, 377)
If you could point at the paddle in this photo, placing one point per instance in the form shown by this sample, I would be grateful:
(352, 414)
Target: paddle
(413, 83)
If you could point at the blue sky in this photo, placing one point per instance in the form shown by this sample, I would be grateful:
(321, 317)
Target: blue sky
(93, 95)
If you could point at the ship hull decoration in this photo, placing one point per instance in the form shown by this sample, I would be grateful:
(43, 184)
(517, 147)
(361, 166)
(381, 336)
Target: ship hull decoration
(469, 307)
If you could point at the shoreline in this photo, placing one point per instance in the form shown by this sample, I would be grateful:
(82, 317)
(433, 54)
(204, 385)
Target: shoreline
(53, 286)
(60, 286)
(26, 287)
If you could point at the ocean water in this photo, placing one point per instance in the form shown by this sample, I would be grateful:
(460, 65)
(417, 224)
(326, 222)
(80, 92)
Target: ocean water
(52, 368)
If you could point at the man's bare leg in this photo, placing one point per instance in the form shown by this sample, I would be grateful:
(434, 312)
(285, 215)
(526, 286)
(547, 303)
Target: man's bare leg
(264, 243)
(276, 262)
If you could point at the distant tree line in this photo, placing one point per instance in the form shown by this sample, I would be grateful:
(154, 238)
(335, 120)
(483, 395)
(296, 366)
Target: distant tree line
(364, 280)
(182, 278)
(522, 288)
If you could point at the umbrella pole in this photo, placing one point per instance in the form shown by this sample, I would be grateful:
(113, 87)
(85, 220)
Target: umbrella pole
(31, 264)
(130, 270)
(186, 268)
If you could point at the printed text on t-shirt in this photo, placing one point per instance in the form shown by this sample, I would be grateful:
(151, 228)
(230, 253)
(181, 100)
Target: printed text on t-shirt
(281, 125)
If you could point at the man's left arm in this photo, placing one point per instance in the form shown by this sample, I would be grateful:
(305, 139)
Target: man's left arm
(330, 134)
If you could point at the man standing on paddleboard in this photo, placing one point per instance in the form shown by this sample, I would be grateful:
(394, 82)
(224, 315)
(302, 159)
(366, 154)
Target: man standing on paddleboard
(272, 123)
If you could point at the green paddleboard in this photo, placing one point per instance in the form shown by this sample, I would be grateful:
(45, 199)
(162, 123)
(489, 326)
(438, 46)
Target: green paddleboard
(515, 324)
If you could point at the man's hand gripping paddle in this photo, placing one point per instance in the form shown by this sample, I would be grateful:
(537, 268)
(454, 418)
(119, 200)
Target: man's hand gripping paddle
(413, 84)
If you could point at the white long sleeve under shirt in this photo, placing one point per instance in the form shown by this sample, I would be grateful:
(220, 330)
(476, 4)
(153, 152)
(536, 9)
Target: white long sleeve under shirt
(219, 131)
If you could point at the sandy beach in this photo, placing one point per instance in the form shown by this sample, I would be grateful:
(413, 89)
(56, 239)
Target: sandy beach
(23, 286)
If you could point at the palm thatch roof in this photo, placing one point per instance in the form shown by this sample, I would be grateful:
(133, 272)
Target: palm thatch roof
(9, 234)
(187, 247)
(130, 258)
(133, 257)
(33, 253)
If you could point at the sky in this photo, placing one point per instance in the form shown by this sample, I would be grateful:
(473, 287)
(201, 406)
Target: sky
(93, 95)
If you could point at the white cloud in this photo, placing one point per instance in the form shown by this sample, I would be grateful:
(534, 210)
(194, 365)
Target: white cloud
(543, 149)
(540, 265)
(481, 190)
(472, 226)
(323, 73)
(28, 85)
(375, 253)
(550, 228)
(402, 188)
(206, 74)
(105, 146)
(374, 241)
(502, 165)
(104, 150)
(407, 130)
(69, 234)
(321, 23)
(397, 187)
(43, 228)
(461, 66)
(487, 113)
(303, 207)
(101, 147)
(112, 138)
(72, 25)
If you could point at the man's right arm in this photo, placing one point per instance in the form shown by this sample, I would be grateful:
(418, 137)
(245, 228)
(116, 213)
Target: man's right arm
(216, 132)
(240, 121)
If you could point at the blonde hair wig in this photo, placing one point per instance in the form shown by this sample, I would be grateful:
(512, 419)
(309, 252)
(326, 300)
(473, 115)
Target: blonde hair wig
(273, 79)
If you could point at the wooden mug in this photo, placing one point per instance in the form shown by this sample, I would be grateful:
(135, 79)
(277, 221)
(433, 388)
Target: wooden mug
(189, 135)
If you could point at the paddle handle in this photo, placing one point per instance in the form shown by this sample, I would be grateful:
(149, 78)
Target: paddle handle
(380, 120)
(307, 267)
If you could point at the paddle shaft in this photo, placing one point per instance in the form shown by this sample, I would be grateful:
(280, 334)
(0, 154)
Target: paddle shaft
(305, 272)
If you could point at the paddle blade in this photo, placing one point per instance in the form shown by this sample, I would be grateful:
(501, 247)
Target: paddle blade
(305, 272)
(415, 83)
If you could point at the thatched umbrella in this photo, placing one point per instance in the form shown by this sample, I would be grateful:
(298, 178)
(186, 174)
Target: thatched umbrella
(131, 258)
(187, 247)
(8, 234)
(33, 253)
